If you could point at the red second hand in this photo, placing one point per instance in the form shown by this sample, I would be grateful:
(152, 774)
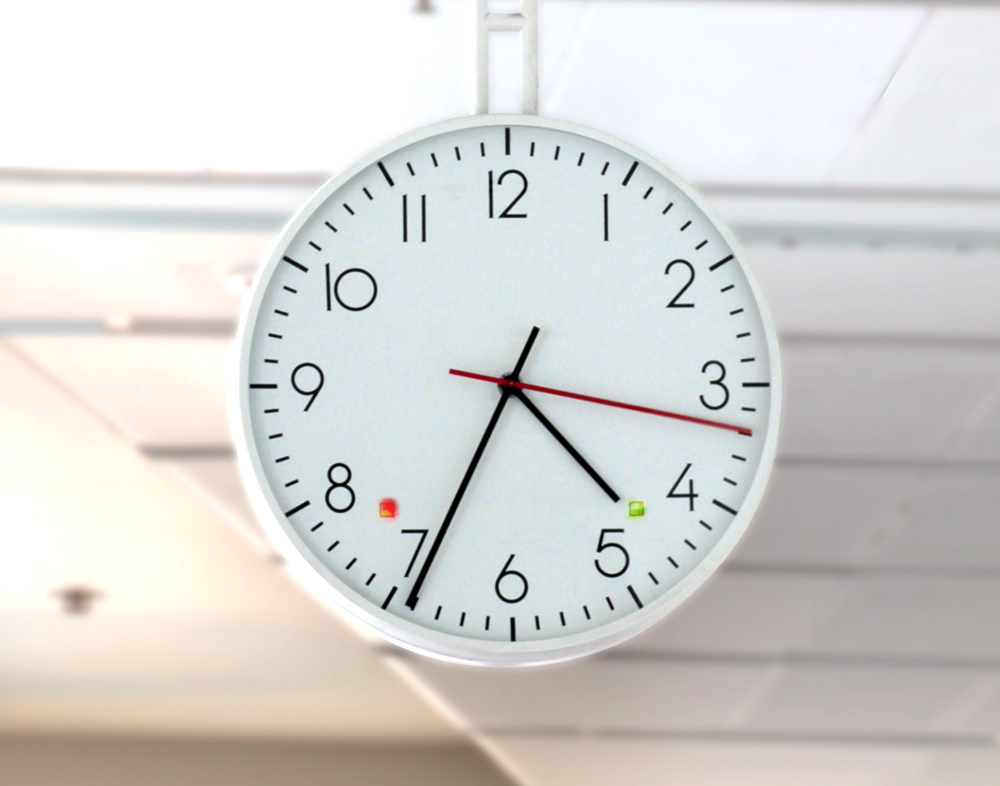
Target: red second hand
(606, 402)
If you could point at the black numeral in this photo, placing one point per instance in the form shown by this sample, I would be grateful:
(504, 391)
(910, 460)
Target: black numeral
(354, 289)
(423, 219)
(312, 391)
(512, 576)
(603, 545)
(423, 536)
(524, 189)
(717, 382)
(684, 263)
(339, 484)
(690, 496)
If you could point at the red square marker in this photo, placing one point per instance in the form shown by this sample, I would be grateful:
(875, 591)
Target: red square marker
(387, 509)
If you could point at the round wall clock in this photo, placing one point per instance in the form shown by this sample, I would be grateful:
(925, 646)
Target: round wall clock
(509, 388)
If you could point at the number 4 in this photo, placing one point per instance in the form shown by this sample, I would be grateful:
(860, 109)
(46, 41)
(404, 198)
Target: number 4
(690, 496)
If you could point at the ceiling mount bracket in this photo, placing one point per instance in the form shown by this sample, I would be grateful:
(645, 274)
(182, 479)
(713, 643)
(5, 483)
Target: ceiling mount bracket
(525, 23)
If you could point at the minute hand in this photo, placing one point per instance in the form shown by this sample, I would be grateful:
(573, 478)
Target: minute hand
(606, 402)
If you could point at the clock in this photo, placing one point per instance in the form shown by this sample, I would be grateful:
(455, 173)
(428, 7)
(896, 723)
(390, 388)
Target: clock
(508, 388)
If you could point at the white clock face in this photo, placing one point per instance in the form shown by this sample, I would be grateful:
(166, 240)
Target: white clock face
(508, 389)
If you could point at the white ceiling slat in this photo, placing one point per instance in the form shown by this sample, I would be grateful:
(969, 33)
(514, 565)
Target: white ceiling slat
(936, 125)
(586, 760)
(730, 92)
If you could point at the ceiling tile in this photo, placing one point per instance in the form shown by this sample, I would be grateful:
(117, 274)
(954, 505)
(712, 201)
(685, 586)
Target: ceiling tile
(936, 125)
(733, 92)
(586, 761)
(155, 390)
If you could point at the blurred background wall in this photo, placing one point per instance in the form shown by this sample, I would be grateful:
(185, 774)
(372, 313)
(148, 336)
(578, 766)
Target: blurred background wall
(149, 634)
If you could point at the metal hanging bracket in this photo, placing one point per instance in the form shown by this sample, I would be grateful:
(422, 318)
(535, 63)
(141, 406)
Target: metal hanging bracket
(525, 23)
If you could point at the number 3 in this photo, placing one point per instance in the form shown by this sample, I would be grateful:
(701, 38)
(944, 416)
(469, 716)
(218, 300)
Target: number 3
(717, 382)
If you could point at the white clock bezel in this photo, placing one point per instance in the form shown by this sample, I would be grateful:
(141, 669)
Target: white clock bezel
(396, 629)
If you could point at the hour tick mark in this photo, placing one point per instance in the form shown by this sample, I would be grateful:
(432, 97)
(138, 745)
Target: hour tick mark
(297, 508)
(756, 384)
(513, 630)
(293, 263)
(701, 245)
(685, 226)
(720, 263)
(392, 592)
(410, 167)
(263, 386)
(634, 596)
(506, 141)
(315, 246)
(347, 207)
(388, 179)
(723, 506)
(667, 208)
(648, 192)
(631, 171)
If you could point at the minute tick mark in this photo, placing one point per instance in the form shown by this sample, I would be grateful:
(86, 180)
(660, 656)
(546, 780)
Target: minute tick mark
(701, 245)
(315, 246)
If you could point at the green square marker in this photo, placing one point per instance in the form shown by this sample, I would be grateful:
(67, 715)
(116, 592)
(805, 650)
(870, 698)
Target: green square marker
(636, 508)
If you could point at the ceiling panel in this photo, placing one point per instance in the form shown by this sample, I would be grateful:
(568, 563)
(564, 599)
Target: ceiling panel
(191, 630)
(155, 390)
(597, 694)
(732, 92)
(61, 272)
(931, 616)
(863, 291)
(747, 614)
(936, 125)
(641, 762)
(881, 399)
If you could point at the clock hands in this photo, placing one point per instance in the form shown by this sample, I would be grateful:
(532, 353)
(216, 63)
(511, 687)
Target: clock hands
(516, 385)
(564, 442)
(505, 393)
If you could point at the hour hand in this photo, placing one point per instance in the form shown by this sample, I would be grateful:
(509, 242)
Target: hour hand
(522, 396)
